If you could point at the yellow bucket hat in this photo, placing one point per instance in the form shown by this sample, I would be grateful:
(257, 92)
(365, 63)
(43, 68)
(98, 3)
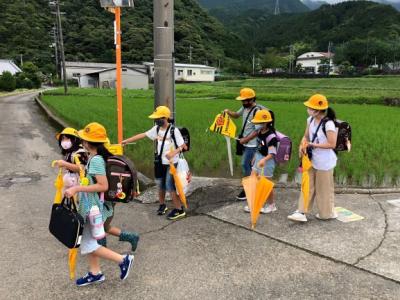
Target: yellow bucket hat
(94, 132)
(262, 116)
(317, 102)
(246, 93)
(67, 131)
(161, 112)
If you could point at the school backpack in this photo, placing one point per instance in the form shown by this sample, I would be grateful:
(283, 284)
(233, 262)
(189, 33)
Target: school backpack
(122, 179)
(284, 147)
(343, 142)
(185, 135)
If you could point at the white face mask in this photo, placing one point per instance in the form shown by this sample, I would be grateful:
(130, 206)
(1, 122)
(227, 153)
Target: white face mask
(66, 144)
(259, 126)
(312, 112)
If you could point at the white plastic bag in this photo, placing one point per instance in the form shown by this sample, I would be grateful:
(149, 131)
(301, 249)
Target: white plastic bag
(184, 173)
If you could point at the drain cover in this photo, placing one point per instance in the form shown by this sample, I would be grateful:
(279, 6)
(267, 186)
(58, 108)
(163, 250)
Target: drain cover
(20, 179)
(17, 178)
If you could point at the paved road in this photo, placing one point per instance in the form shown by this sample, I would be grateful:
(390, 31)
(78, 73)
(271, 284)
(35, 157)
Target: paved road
(210, 255)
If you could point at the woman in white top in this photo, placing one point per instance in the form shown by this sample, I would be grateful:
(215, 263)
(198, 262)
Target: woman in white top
(319, 141)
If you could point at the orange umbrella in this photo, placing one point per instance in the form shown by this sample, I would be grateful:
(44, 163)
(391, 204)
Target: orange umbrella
(257, 190)
(178, 184)
(305, 181)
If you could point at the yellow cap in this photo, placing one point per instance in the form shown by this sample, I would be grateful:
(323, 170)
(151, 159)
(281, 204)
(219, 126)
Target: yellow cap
(262, 116)
(246, 93)
(67, 131)
(161, 112)
(94, 132)
(317, 102)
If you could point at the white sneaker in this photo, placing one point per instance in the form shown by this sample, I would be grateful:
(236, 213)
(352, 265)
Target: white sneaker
(268, 209)
(246, 208)
(333, 216)
(297, 217)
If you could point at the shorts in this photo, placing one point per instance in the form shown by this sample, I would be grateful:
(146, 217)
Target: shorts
(269, 167)
(167, 182)
(89, 243)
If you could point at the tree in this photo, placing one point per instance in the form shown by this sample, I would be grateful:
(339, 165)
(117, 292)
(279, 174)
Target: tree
(7, 82)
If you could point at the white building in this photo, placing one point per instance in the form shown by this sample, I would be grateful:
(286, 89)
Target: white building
(103, 75)
(311, 61)
(188, 72)
(7, 65)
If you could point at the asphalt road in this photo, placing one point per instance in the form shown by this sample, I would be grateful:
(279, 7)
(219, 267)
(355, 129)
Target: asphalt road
(209, 255)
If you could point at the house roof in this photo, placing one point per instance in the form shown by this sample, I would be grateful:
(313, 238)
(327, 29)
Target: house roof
(184, 65)
(9, 65)
(315, 55)
(105, 66)
(124, 67)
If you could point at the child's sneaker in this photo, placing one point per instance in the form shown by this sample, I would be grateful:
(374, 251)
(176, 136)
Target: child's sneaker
(246, 208)
(89, 278)
(298, 217)
(126, 265)
(268, 209)
(176, 214)
(241, 196)
(162, 209)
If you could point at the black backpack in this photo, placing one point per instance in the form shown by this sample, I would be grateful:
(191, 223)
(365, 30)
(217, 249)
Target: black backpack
(185, 135)
(121, 177)
(343, 142)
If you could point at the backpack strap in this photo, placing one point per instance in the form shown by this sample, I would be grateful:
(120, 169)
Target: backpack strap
(163, 142)
(173, 136)
(247, 118)
(316, 131)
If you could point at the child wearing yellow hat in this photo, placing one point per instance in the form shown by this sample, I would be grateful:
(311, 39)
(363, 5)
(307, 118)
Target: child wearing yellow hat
(167, 150)
(93, 138)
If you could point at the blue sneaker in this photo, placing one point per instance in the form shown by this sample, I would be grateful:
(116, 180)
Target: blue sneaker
(89, 278)
(126, 266)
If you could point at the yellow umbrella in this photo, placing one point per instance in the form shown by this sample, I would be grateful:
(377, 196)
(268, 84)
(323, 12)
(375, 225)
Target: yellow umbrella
(250, 186)
(178, 184)
(59, 184)
(305, 181)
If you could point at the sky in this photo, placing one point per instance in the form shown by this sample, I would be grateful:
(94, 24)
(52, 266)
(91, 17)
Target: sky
(337, 1)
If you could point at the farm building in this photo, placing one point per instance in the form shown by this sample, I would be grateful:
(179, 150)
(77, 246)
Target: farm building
(8, 65)
(188, 72)
(311, 62)
(103, 75)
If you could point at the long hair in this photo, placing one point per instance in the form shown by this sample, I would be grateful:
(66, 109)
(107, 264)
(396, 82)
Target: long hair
(76, 144)
(330, 114)
(101, 150)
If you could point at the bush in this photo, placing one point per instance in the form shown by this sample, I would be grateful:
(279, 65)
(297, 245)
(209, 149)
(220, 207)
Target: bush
(7, 82)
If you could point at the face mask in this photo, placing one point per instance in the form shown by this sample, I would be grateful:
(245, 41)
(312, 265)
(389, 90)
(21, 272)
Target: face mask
(246, 105)
(159, 122)
(312, 112)
(259, 126)
(66, 144)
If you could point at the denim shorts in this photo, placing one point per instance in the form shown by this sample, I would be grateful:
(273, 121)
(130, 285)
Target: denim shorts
(167, 182)
(89, 243)
(269, 167)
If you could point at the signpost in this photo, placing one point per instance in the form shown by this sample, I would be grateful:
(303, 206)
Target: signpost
(114, 6)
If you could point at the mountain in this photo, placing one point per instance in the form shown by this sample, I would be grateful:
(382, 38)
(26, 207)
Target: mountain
(330, 23)
(236, 6)
(311, 4)
(88, 33)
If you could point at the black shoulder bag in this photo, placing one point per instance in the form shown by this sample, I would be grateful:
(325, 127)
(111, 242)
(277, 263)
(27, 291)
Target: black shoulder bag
(239, 146)
(159, 169)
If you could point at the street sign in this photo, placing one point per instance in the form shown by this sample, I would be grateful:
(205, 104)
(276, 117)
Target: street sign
(116, 3)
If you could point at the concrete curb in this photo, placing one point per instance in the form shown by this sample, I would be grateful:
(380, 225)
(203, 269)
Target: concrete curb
(147, 181)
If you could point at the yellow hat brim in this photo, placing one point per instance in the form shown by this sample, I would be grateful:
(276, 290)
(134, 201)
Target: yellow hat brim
(83, 136)
(308, 104)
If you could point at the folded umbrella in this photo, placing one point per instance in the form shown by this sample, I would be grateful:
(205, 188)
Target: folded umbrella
(305, 181)
(178, 184)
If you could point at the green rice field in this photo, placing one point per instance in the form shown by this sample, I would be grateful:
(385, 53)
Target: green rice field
(374, 159)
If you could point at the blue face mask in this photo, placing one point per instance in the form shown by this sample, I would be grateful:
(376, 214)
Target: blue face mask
(259, 126)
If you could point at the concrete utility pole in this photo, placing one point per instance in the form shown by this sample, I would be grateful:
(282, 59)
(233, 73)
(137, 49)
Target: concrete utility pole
(190, 54)
(164, 67)
(55, 36)
(277, 10)
(56, 3)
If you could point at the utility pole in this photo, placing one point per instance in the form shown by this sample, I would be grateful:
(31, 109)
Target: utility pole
(55, 36)
(291, 59)
(22, 61)
(56, 3)
(254, 64)
(190, 54)
(329, 57)
(164, 66)
(277, 10)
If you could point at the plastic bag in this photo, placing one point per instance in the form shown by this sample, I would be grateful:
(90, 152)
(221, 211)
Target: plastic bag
(184, 173)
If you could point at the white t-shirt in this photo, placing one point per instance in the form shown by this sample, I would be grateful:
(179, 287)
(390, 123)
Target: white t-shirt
(322, 159)
(169, 144)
